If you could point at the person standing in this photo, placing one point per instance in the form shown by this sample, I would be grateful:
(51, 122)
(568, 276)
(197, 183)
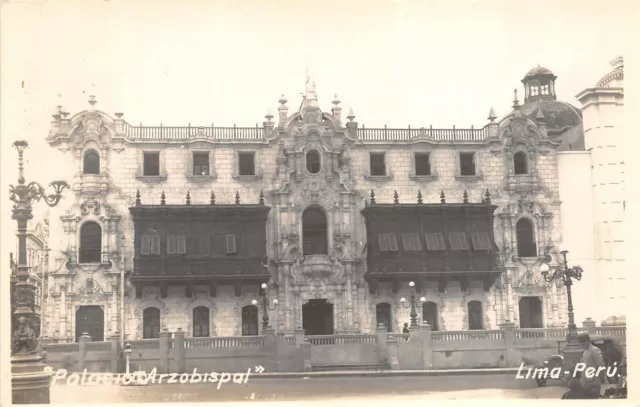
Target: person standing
(591, 357)
(405, 329)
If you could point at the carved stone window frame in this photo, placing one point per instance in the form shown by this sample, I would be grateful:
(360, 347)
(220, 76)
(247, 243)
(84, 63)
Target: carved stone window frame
(476, 161)
(378, 178)
(422, 178)
(191, 177)
(152, 179)
(256, 165)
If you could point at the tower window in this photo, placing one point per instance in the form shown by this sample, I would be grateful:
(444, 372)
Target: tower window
(520, 163)
(201, 163)
(526, 238)
(377, 165)
(534, 91)
(467, 164)
(544, 89)
(423, 164)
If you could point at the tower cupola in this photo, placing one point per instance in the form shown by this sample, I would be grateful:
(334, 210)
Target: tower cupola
(539, 84)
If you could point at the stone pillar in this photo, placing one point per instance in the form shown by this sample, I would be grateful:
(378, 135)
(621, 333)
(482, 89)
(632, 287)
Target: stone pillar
(115, 351)
(63, 311)
(305, 349)
(178, 345)
(350, 303)
(288, 325)
(299, 334)
(381, 331)
(509, 336)
(82, 350)
(165, 335)
(589, 325)
(392, 353)
(509, 295)
(270, 349)
(426, 338)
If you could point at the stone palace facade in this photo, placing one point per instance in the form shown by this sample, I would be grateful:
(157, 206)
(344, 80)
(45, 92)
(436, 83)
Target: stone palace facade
(179, 227)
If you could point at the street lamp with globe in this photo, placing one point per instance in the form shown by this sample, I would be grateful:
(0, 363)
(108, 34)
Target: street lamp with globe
(265, 305)
(413, 315)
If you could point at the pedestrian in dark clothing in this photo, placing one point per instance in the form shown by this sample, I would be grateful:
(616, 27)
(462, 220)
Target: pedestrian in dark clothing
(405, 329)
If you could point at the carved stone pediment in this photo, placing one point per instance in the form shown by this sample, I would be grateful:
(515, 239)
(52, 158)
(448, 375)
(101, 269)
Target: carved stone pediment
(319, 265)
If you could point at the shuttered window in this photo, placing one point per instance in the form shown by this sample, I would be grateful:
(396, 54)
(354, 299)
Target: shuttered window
(435, 241)
(231, 244)
(458, 241)
(388, 242)
(181, 243)
(145, 246)
(171, 245)
(155, 245)
(481, 241)
(411, 242)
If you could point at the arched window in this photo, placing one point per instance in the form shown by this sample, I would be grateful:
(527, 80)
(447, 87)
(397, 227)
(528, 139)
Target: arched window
(314, 232)
(150, 323)
(200, 322)
(526, 238)
(313, 161)
(249, 320)
(520, 166)
(90, 243)
(430, 314)
(475, 315)
(91, 162)
(383, 315)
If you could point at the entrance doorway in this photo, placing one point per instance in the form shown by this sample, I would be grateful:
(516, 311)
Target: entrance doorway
(90, 319)
(383, 315)
(530, 312)
(317, 317)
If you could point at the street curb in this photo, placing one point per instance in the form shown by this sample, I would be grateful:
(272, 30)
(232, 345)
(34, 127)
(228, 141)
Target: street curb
(387, 373)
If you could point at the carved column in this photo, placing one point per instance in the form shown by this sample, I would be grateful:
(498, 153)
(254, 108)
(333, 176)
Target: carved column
(510, 273)
(349, 294)
(62, 313)
(288, 324)
(114, 309)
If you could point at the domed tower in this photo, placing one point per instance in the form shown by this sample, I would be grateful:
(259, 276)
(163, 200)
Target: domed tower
(539, 84)
(563, 120)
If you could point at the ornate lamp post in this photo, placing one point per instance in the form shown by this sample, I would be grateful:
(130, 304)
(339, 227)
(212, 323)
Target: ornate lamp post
(265, 306)
(413, 314)
(573, 351)
(30, 382)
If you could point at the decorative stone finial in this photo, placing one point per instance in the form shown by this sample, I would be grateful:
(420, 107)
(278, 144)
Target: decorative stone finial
(516, 103)
(92, 100)
(492, 115)
(56, 112)
(351, 115)
(442, 197)
(395, 197)
(540, 119)
(213, 198)
(237, 198)
(261, 201)
(335, 100)
(119, 115)
(487, 197)
(465, 197)
(269, 115)
(188, 198)
(282, 100)
(373, 198)
(419, 197)
(163, 199)
(138, 202)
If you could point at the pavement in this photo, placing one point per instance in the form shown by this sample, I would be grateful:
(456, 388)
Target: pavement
(318, 386)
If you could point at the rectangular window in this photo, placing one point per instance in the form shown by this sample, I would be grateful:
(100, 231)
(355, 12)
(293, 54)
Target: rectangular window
(145, 246)
(155, 245)
(423, 164)
(377, 165)
(382, 242)
(181, 243)
(201, 163)
(151, 165)
(458, 241)
(171, 245)
(246, 163)
(393, 242)
(481, 241)
(231, 244)
(467, 164)
(411, 242)
(435, 241)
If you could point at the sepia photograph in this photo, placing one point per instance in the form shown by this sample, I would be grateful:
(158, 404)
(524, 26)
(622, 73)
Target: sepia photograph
(297, 201)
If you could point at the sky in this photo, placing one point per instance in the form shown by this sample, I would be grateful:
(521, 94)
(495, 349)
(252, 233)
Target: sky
(398, 63)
